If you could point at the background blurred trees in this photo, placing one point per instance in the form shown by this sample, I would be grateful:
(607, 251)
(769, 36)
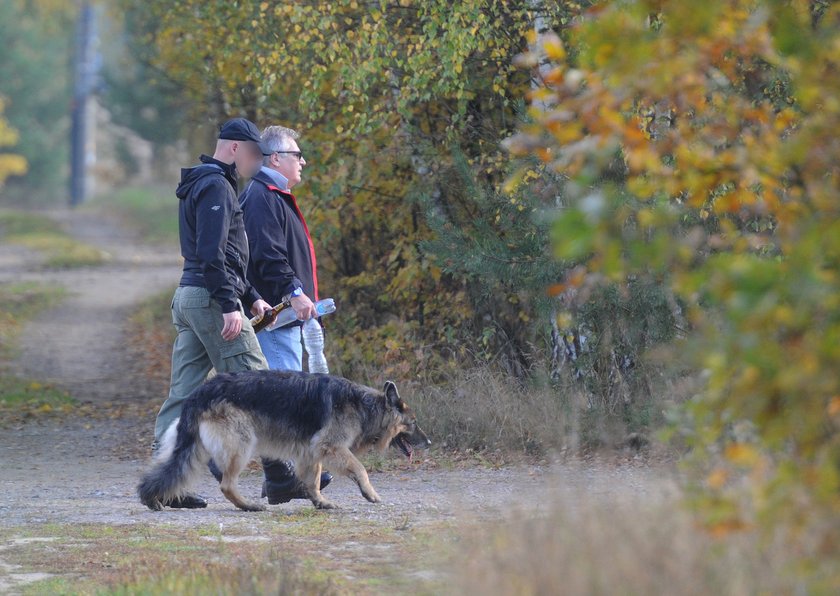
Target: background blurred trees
(37, 41)
(10, 163)
(137, 93)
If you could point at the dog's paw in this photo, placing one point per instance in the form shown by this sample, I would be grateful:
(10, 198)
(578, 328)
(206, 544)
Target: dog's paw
(324, 504)
(253, 507)
(154, 505)
(372, 496)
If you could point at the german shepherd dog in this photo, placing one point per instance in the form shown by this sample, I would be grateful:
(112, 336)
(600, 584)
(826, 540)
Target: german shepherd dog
(287, 415)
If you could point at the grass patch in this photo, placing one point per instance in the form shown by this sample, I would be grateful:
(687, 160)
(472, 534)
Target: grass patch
(36, 397)
(599, 547)
(269, 576)
(46, 236)
(332, 555)
(480, 410)
(19, 303)
(486, 414)
(151, 211)
(572, 546)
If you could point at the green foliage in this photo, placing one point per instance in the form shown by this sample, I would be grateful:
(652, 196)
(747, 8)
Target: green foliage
(720, 116)
(496, 247)
(618, 325)
(378, 90)
(137, 94)
(37, 40)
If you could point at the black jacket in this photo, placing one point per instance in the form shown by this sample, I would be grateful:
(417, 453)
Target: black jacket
(213, 241)
(282, 257)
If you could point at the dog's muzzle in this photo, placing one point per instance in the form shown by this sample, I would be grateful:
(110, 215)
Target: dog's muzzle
(406, 443)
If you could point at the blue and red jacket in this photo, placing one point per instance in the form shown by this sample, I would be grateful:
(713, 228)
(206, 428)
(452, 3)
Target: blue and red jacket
(282, 255)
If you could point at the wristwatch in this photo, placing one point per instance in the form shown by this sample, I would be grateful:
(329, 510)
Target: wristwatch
(293, 294)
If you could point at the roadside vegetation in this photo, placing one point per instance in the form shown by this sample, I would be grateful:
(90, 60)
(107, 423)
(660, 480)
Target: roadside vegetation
(39, 232)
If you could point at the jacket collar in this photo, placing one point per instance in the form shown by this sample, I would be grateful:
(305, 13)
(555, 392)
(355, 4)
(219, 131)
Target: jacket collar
(228, 169)
(279, 179)
(263, 177)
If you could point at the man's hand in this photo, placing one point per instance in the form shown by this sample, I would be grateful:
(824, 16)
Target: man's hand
(259, 307)
(303, 307)
(232, 326)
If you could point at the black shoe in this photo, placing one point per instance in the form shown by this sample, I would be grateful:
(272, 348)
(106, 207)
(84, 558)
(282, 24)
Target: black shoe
(187, 501)
(283, 492)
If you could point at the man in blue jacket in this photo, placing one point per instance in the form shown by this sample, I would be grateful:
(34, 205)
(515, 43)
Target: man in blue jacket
(282, 265)
(207, 309)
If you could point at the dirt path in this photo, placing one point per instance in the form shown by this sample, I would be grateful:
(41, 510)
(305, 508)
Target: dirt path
(79, 471)
(79, 346)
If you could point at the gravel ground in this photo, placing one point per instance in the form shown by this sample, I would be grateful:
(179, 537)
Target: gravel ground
(65, 472)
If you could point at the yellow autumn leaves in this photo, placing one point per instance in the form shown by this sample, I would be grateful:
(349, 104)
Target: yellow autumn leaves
(10, 164)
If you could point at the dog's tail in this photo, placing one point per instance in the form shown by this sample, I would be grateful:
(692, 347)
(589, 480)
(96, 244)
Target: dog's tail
(180, 457)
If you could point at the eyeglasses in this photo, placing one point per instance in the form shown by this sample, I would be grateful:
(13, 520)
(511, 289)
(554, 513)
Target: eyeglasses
(298, 154)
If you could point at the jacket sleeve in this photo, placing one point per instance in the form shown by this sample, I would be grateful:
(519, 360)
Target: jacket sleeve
(212, 219)
(250, 296)
(265, 225)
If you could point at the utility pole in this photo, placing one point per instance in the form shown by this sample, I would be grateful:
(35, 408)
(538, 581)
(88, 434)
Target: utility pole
(82, 152)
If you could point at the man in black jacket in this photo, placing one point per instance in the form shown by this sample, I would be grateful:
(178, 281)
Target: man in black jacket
(207, 309)
(282, 265)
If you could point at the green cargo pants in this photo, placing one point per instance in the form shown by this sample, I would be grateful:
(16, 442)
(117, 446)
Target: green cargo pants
(199, 347)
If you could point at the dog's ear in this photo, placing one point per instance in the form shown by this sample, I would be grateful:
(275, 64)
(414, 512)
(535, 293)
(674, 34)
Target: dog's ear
(391, 395)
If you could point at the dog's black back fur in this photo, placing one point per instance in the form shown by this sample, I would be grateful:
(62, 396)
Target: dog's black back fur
(306, 401)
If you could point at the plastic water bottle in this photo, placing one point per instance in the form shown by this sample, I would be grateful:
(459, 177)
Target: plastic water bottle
(325, 306)
(313, 342)
(284, 317)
